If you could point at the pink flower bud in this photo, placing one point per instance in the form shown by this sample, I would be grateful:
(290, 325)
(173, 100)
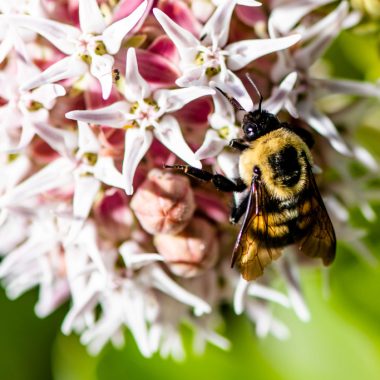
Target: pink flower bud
(164, 203)
(113, 216)
(192, 251)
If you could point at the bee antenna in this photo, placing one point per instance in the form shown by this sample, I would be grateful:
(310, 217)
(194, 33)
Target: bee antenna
(256, 89)
(233, 101)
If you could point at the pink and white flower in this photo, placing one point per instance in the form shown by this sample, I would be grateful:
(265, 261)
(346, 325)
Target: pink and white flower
(145, 113)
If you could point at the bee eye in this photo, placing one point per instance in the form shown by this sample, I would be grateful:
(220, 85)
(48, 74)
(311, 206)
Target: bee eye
(250, 131)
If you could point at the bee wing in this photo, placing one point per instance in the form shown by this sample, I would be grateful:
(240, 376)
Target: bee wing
(320, 240)
(252, 254)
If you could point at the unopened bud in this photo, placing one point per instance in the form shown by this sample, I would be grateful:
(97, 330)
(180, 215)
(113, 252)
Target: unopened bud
(113, 215)
(164, 203)
(192, 251)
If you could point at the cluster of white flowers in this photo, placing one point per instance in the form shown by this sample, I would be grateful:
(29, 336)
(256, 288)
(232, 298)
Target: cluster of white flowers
(95, 96)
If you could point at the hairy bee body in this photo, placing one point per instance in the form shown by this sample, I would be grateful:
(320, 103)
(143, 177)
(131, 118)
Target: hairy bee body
(282, 158)
(281, 203)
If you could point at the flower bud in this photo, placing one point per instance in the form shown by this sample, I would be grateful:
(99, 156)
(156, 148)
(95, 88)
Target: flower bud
(113, 216)
(164, 203)
(192, 251)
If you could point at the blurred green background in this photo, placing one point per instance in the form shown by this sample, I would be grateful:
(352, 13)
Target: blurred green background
(342, 341)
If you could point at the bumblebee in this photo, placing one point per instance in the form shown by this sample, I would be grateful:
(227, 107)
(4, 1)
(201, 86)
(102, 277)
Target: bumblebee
(282, 204)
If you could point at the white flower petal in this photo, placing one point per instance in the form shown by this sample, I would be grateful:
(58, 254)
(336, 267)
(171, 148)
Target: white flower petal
(62, 141)
(339, 86)
(88, 301)
(218, 26)
(233, 86)
(266, 293)
(68, 67)
(47, 94)
(91, 19)
(114, 34)
(365, 157)
(194, 76)
(228, 161)
(285, 15)
(173, 100)
(319, 27)
(323, 125)
(280, 94)
(106, 172)
(212, 145)
(6, 44)
(136, 87)
(137, 143)
(62, 36)
(164, 283)
(44, 180)
(134, 310)
(307, 55)
(223, 108)
(87, 141)
(290, 273)
(101, 68)
(85, 190)
(113, 115)
(240, 295)
(169, 133)
(182, 38)
(248, 3)
(243, 52)
(133, 257)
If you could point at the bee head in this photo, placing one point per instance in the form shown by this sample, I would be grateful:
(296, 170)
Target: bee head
(258, 123)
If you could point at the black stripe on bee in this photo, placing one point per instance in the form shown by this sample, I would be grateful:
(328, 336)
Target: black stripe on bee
(286, 166)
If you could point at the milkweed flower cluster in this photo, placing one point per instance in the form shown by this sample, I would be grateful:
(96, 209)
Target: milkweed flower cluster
(95, 96)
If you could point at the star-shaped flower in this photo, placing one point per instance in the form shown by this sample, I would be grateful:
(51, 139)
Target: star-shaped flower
(210, 58)
(144, 114)
(25, 113)
(91, 47)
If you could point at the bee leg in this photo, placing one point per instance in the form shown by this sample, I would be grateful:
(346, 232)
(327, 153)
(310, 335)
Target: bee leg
(238, 210)
(220, 182)
(238, 144)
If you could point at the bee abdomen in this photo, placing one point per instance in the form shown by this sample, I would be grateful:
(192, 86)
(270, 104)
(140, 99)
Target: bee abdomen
(283, 225)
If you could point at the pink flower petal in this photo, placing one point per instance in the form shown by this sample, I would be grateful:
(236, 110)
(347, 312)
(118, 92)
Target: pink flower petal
(157, 69)
(164, 47)
(181, 14)
(195, 113)
(250, 15)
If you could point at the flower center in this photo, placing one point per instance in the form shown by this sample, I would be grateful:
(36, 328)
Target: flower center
(213, 60)
(88, 45)
(145, 112)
